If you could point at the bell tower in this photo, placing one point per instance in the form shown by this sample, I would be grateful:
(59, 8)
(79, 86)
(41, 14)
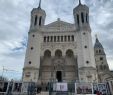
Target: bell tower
(32, 58)
(38, 16)
(101, 60)
(85, 52)
(81, 16)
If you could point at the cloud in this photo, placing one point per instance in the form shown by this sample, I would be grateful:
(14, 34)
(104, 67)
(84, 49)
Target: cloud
(102, 24)
(15, 22)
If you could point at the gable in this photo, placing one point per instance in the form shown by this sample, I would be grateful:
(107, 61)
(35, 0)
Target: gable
(60, 25)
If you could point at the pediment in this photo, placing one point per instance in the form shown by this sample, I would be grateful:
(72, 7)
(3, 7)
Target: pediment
(60, 25)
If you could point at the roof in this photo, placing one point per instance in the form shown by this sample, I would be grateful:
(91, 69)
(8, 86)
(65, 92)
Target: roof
(98, 44)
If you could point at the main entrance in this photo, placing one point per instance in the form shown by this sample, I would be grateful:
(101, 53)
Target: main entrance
(59, 76)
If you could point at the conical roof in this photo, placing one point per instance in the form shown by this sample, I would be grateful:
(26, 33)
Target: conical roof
(98, 44)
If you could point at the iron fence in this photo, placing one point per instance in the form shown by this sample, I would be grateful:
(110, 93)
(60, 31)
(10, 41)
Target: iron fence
(54, 88)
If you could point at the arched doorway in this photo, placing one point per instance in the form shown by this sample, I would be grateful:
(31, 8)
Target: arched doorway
(59, 76)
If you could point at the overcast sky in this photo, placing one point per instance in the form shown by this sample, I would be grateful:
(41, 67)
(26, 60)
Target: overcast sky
(15, 22)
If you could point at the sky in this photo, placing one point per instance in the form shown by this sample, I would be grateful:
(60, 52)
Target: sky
(15, 22)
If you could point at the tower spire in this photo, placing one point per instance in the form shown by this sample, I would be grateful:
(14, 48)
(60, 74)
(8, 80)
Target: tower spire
(96, 36)
(79, 1)
(39, 4)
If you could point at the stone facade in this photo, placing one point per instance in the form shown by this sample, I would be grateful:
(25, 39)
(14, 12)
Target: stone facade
(60, 51)
(104, 73)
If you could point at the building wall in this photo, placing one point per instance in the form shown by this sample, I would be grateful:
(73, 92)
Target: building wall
(78, 40)
(67, 65)
(32, 59)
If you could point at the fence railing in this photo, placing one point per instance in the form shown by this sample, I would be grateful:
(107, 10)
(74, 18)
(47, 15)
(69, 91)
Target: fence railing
(54, 88)
(79, 88)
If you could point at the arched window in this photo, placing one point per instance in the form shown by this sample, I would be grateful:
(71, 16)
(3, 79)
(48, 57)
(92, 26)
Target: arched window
(47, 53)
(35, 23)
(78, 19)
(65, 38)
(51, 38)
(54, 38)
(69, 38)
(82, 17)
(48, 39)
(58, 38)
(96, 51)
(86, 17)
(99, 51)
(45, 39)
(69, 53)
(72, 38)
(61, 38)
(40, 21)
(58, 53)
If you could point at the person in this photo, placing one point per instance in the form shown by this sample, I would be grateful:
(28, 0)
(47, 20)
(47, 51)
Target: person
(95, 91)
(38, 89)
(31, 88)
(98, 93)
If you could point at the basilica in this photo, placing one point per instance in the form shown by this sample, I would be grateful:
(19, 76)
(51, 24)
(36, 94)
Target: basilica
(63, 51)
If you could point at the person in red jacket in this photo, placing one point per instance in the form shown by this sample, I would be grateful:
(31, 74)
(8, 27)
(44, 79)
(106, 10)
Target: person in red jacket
(98, 93)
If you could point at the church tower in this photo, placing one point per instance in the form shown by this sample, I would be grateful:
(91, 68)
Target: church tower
(81, 16)
(32, 59)
(101, 61)
(38, 16)
(86, 62)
